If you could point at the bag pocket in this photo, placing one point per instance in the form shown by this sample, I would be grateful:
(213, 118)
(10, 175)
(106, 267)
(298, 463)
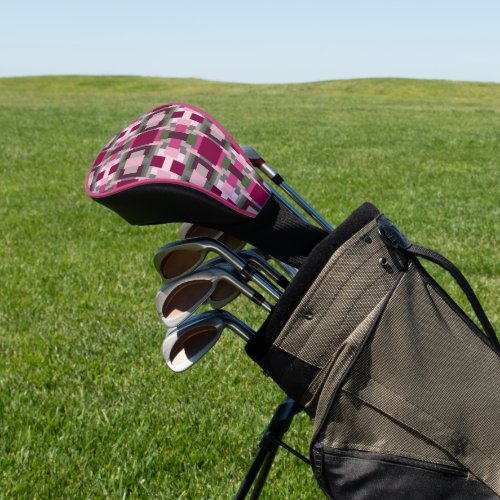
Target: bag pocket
(360, 475)
(416, 407)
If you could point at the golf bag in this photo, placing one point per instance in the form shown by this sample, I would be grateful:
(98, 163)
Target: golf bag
(403, 387)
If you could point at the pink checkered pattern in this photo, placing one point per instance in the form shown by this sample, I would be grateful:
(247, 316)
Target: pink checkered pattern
(180, 144)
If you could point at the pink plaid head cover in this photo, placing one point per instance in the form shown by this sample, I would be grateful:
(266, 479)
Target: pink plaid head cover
(179, 144)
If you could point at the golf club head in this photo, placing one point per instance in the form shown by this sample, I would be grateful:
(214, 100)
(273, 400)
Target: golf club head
(176, 152)
(183, 347)
(188, 230)
(176, 259)
(179, 299)
(186, 344)
(179, 258)
(223, 293)
(176, 163)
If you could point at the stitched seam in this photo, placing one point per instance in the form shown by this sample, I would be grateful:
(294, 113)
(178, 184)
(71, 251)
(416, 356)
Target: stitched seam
(486, 457)
(339, 445)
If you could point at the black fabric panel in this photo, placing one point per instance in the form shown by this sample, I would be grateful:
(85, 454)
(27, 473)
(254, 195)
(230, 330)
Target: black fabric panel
(278, 231)
(275, 230)
(293, 375)
(358, 475)
(160, 203)
(318, 258)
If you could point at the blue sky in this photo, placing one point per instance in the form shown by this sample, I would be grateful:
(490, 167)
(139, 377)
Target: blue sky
(253, 41)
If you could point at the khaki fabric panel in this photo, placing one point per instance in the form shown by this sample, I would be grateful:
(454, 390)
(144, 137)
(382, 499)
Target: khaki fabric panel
(427, 368)
(317, 398)
(343, 295)
(355, 425)
(336, 371)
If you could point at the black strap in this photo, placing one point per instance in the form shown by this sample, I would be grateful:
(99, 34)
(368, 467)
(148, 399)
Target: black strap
(437, 258)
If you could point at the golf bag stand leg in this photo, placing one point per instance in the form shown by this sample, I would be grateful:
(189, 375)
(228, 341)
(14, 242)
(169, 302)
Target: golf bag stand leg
(268, 446)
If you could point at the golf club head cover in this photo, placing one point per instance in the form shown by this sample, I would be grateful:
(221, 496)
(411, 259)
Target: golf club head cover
(400, 382)
(178, 164)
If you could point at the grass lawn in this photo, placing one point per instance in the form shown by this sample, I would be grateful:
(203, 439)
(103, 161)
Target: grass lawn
(87, 405)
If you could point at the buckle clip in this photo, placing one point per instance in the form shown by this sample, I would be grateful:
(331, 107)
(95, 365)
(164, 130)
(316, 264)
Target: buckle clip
(390, 234)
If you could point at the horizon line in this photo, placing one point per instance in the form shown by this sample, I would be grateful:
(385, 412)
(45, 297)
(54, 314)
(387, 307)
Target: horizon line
(305, 82)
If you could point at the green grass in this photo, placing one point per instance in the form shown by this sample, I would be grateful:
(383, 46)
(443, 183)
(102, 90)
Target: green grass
(87, 407)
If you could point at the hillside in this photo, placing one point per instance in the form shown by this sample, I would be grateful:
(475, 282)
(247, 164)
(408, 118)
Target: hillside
(86, 404)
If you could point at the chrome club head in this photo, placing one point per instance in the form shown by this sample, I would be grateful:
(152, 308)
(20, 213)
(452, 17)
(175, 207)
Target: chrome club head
(188, 230)
(179, 258)
(185, 344)
(178, 299)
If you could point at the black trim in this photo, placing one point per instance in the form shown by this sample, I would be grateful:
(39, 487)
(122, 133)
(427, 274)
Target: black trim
(430, 281)
(440, 260)
(257, 347)
(299, 373)
(276, 229)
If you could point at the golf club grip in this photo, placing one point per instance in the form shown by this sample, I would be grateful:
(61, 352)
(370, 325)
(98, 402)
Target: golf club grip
(277, 231)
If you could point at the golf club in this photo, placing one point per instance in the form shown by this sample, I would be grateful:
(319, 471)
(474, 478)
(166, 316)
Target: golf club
(178, 164)
(180, 257)
(224, 292)
(188, 230)
(252, 255)
(276, 178)
(255, 256)
(180, 298)
(185, 344)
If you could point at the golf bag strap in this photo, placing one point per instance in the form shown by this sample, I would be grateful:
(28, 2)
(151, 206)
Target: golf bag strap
(442, 261)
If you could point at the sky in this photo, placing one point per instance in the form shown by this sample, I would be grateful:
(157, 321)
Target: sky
(253, 41)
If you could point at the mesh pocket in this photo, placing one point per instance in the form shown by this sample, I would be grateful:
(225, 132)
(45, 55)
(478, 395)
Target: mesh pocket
(420, 389)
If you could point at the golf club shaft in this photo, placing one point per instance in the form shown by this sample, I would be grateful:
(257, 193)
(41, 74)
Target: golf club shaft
(266, 285)
(237, 325)
(301, 201)
(242, 330)
(277, 179)
(255, 257)
(290, 270)
(189, 230)
(253, 295)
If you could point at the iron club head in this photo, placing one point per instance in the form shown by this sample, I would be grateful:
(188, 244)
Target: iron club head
(178, 299)
(185, 344)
